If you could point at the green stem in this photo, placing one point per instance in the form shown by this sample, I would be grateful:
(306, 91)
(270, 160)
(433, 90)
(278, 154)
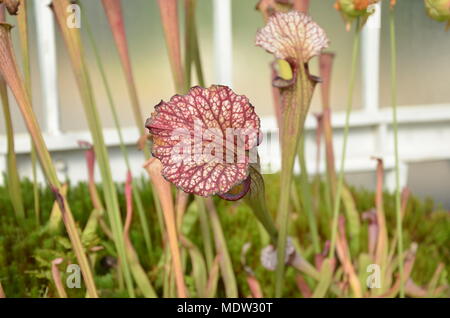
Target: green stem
(9, 70)
(259, 208)
(226, 267)
(37, 205)
(206, 233)
(327, 194)
(136, 195)
(307, 196)
(283, 226)
(188, 39)
(293, 121)
(197, 59)
(395, 128)
(72, 40)
(256, 199)
(192, 47)
(295, 199)
(340, 184)
(12, 176)
(24, 47)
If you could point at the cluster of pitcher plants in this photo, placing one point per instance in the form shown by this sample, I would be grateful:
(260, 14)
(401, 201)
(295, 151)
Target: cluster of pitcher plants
(187, 168)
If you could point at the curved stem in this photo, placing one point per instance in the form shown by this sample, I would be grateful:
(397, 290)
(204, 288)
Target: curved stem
(226, 266)
(74, 48)
(162, 187)
(123, 149)
(256, 199)
(395, 128)
(259, 208)
(206, 232)
(340, 184)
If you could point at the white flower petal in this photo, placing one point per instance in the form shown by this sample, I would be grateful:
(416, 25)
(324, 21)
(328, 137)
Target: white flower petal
(292, 35)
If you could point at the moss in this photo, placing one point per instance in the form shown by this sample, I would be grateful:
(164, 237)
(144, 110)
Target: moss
(26, 251)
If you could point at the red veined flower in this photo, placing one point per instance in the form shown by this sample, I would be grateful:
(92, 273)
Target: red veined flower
(292, 35)
(206, 140)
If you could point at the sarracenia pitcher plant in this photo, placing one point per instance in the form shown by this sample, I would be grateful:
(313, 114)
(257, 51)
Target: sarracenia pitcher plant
(293, 38)
(10, 72)
(206, 141)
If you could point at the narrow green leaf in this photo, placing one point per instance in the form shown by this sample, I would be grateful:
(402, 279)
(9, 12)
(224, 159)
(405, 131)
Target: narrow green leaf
(22, 19)
(226, 267)
(326, 275)
(12, 174)
(9, 71)
(136, 196)
(169, 18)
(140, 277)
(199, 271)
(74, 47)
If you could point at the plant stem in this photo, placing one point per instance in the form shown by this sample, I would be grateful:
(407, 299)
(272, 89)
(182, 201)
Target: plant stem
(189, 40)
(162, 186)
(298, 101)
(326, 63)
(206, 233)
(307, 195)
(197, 60)
(226, 267)
(113, 11)
(12, 175)
(283, 229)
(340, 183)
(262, 214)
(136, 195)
(13, 179)
(169, 19)
(22, 20)
(56, 275)
(9, 71)
(256, 199)
(74, 48)
(140, 276)
(192, 50)
(395, 127)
